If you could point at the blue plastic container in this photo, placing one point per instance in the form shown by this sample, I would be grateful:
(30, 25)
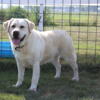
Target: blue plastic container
(5, 49)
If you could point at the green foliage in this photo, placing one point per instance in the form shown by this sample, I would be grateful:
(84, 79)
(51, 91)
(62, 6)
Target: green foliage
(2, 15)
(33, 15)
(47, 18)
(13, 12)
(82, 23)
(16, 12)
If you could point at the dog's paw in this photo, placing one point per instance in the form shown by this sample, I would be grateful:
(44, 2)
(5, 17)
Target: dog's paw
(16, 85)
(75, 79)
(32, 89)
(56, 76)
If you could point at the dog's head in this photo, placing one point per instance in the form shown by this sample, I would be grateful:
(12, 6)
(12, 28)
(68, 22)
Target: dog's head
(18, 29)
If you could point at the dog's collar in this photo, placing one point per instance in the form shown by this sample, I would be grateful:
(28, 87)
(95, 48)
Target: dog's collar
(20, 47)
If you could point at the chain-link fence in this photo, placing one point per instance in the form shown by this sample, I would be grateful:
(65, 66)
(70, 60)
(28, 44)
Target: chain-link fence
(79, 17)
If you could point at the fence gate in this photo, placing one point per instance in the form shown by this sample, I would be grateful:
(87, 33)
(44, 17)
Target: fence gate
(80, 18)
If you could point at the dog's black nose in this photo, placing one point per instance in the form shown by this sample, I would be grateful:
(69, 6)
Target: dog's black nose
(16, 34)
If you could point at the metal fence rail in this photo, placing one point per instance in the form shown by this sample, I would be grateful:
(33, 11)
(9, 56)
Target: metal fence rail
(81, 18)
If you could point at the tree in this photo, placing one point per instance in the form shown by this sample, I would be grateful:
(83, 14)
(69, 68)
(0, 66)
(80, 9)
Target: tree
(16, 12)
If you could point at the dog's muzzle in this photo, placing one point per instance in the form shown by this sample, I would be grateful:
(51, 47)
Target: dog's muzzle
(17, 48)
(16, 34)
(17, 40)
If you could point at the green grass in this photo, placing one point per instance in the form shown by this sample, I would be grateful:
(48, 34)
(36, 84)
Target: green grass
(75, 19)
(9, 96)
(88, 88)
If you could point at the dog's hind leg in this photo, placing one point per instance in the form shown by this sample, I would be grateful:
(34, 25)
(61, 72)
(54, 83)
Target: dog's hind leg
(73, 64)
(57, 65)
(71, 58)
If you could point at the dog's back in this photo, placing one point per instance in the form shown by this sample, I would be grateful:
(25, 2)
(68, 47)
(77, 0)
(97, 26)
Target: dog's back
(57, 43)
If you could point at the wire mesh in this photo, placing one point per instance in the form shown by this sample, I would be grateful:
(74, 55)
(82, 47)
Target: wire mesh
(80, 18)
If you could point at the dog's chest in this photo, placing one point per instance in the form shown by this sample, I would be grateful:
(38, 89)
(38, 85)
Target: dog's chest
(25, 58)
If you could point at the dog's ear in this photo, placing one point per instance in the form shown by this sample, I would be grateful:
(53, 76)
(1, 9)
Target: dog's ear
(6, 24)
(31, 25)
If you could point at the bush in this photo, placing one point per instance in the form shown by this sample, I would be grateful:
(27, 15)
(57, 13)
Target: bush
(47, 18)
(82, 24)
(2, 15)
(33, 15)
(16, 12)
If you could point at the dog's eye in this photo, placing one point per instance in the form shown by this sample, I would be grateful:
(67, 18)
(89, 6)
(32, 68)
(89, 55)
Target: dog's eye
(21, 26)
(13, 26)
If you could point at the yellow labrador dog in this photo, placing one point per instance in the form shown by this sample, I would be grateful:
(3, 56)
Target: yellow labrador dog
(33, 48)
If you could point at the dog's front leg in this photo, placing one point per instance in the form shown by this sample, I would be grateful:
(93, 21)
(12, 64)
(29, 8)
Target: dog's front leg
(35, 76)
(21, 70)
